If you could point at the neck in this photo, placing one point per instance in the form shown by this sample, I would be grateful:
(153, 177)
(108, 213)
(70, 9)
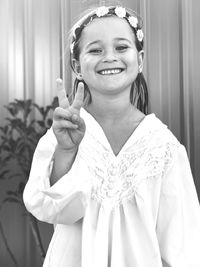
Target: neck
(110, 108)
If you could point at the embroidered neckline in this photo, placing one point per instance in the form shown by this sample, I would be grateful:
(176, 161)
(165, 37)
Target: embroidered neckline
(149, 155)
(98, 132)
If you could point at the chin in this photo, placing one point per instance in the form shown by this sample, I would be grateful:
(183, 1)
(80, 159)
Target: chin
(113, 90)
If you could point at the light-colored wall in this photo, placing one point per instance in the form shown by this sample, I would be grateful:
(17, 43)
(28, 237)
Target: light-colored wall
(32, 50)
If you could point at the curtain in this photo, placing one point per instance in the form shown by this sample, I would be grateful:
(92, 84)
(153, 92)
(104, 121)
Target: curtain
(33, 54)
(172, 70)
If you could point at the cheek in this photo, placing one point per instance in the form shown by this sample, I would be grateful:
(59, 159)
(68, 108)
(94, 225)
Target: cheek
(132, 59)
(87, 64)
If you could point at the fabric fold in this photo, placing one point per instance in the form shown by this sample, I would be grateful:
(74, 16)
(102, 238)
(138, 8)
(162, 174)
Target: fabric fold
(65, 201)
(112, 210)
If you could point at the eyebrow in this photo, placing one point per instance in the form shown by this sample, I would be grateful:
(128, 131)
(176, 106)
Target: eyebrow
(123, 39)
(117, 39)
(95, 42)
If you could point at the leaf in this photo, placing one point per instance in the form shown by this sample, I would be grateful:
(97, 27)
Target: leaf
(7, 158)
(48, 108)
(55, 103)
(3, 174)
(11, 199)
(27, 108)
(12, 109)
(15, 175)
(20, 146)
(41, 123)
(4, 129)
(6, 147)
(11, 193)
(49, 122)
(21, 187)
(40, 109)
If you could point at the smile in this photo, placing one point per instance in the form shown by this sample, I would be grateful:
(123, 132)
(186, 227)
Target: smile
(110, 71)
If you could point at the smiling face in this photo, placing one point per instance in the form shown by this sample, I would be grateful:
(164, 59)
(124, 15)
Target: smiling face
(108, 60)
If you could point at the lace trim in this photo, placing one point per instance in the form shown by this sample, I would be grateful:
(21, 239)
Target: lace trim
(118, 179)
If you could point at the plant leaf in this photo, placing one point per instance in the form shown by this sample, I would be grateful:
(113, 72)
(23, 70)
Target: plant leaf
(10, 199)
(3, 174)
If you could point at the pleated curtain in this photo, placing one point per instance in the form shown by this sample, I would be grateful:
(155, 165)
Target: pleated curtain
(33, 38)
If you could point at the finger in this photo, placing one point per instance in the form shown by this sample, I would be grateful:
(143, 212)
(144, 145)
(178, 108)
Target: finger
(62, 98)
(79, 121)
(64, 125)
(79, 97)
(60, 114)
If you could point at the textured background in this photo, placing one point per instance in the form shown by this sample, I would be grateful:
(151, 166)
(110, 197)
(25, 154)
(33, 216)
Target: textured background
(32, 55)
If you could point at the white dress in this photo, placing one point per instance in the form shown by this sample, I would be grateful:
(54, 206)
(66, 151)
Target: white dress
(136, 209)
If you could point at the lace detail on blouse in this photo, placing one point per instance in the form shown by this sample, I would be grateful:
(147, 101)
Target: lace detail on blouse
(115, 179)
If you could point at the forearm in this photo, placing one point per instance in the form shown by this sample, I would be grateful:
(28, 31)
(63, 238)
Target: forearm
(63, 161)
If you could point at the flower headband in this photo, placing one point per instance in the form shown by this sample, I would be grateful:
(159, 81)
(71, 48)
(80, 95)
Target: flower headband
(104, 11)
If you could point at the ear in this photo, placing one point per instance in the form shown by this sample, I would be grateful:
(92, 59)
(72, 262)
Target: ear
(77, 69)
(140, 60)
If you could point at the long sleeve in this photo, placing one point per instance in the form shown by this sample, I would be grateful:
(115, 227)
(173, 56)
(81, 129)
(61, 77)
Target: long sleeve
(65, 201)
(178, 224)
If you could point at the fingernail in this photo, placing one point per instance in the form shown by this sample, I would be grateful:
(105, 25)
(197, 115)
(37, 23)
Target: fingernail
(59, 82)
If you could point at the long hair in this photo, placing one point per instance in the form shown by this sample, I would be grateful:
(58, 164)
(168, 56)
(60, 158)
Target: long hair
(139, 91)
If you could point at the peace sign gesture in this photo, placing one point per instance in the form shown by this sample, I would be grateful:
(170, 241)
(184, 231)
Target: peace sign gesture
(68, 126)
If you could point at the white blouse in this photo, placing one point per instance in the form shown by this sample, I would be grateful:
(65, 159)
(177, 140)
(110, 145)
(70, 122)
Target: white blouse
(136, 209)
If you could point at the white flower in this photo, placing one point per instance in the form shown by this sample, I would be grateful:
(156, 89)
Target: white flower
(102, 11)
(72, 47)
(120, 12)
(133, 21)
(140, 35)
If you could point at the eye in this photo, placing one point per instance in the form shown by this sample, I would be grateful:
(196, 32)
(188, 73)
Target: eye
(121, 48)
(95, 51)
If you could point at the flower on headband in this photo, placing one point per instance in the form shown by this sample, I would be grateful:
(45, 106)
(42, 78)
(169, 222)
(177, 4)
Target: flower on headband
(140, 35)
(120, 12)
(72, 47)
(102, 11)
(133, 21)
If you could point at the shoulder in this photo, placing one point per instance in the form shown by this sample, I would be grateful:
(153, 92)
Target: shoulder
(158, 143)
(159, 132)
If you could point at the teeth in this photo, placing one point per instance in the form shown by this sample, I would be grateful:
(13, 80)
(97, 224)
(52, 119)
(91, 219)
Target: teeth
(111, 71)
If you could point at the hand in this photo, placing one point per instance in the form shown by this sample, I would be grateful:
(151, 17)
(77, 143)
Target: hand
(68, 126)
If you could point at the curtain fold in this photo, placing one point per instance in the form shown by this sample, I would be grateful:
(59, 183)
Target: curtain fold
(33, 54)
(190, 82)
(172, 64)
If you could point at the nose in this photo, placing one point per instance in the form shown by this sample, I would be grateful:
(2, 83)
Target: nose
(109, 56)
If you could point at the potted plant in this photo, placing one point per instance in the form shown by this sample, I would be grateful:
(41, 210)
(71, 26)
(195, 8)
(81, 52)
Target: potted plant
(25, 124)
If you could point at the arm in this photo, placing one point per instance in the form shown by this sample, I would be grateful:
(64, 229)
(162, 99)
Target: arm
(56, 163)
(65, 201)
(62, 163)
(69, 129)
(178, 224)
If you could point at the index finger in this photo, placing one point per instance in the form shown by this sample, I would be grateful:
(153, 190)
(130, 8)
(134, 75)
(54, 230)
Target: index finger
(79, 97)
(61, 93)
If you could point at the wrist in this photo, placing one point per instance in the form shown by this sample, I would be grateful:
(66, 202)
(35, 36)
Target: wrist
(63, 160)
(71, 151)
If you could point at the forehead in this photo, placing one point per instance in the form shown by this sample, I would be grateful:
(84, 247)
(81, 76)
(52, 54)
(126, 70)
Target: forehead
(107, 27)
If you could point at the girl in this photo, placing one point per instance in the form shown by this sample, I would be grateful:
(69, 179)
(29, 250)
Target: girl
(115, 181)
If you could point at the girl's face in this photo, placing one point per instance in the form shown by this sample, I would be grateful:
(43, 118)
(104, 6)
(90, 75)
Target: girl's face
(108, 59)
